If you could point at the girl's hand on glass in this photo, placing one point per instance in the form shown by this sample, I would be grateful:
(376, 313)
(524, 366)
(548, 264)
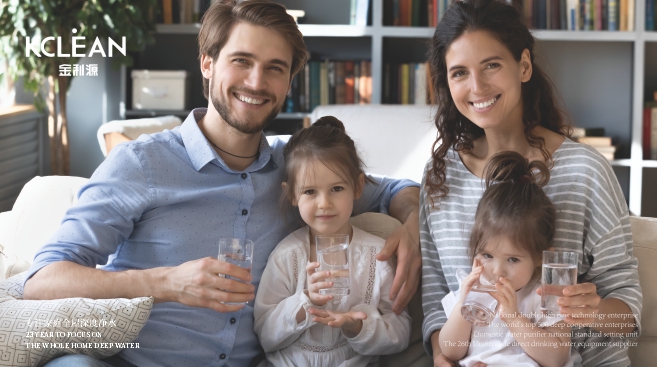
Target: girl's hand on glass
(506, 297)
(351, 322)
(471, 279)
(315, 283)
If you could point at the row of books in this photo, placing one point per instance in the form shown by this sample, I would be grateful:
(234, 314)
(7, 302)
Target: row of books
(182, 11)
(407, 84)
(595, 138)
(414, 13)
(650, 129)
(330, 82)
(578, 15)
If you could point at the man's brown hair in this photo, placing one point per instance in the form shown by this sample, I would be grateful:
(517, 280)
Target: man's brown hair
(219, 20)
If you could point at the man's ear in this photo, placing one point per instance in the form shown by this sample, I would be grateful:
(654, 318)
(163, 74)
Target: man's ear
(525, 66)
(294, 200)
(206, 66)
(360, 185)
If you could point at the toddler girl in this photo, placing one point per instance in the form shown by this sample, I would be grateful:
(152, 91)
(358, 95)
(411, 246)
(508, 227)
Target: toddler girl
(514, 224)
(297, 325)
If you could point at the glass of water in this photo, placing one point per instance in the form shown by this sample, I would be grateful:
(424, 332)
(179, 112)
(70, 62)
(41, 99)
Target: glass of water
(238, 252)
(479, 307)
(559, 271)
(333, 256)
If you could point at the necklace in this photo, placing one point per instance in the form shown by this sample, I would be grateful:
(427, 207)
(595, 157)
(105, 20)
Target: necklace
(234, 155)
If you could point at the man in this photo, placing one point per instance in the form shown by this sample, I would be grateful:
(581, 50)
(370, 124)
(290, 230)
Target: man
(155, 209)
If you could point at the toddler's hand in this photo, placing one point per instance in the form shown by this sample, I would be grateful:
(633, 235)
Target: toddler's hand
(351, 322)
(506, 297)
(471, 279)
(315, 283)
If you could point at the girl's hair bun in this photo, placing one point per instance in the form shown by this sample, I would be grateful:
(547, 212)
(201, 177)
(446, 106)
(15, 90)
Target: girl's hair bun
(331, 122)
(510, 166)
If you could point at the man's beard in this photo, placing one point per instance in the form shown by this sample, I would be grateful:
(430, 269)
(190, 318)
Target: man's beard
(245, 127)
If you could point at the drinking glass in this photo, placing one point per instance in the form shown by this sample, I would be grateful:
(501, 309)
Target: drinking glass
(333, 256)
(479, 307)
(238, 252)
(559, 271)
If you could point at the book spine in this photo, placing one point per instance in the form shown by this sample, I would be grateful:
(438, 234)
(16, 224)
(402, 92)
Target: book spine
(167, 11)
(349, 82)
(331, 82)
(415, 15)
(622, 15)
(605, 13)
(542, 14)
(306, 87)
(404, 83)
(555, 13)
(302, 89)
(650, 15)
(315, 76)
(630, 14)
(612, 15)
(653, 133)
(548, 14)
(527, 12)
(323, 83)
(352, 12)
(647, 115)
(590, 15)
(357, 82)
(597, 15)
(563, 14)
(362, 83)
(339, 83)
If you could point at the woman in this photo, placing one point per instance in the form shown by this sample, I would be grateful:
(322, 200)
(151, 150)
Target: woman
(492, 97)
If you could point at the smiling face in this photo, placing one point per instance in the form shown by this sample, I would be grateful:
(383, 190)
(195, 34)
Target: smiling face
(325, 199)
(485, 80)
(250, 77)
(502, 259)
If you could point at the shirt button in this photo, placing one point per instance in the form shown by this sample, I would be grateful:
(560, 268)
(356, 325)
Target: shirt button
(232, 320)
(222, 356)
(245, 212)
(244, 175)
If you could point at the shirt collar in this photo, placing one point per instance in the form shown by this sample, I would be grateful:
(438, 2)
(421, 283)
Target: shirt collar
(201, 153)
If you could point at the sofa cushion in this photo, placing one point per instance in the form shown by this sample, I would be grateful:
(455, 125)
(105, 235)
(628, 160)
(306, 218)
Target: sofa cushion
(37, 213)
(34, 332)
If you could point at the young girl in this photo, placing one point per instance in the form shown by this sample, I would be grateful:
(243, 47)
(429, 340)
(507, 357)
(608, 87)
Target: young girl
(297, 325)
(514, 224)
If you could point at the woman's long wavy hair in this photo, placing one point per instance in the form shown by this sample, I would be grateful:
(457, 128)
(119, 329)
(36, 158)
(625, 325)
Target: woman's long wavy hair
(502, 21)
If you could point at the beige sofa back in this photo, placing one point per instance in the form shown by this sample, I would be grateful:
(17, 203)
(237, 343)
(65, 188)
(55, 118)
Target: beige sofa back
(644, 235)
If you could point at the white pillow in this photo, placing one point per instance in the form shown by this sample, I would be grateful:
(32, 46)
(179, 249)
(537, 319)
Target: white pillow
(34, 332)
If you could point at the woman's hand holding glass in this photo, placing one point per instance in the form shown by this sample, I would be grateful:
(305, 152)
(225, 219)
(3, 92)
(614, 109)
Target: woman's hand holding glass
(316, 282)
(579, 304)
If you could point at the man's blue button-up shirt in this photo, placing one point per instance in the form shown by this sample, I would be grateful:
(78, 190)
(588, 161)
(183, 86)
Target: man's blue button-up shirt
(165, 199)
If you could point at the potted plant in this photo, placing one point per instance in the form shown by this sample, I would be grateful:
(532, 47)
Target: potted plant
(42, 40)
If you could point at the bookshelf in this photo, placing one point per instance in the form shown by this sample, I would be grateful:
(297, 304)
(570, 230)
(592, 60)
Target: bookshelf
(603, 77)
